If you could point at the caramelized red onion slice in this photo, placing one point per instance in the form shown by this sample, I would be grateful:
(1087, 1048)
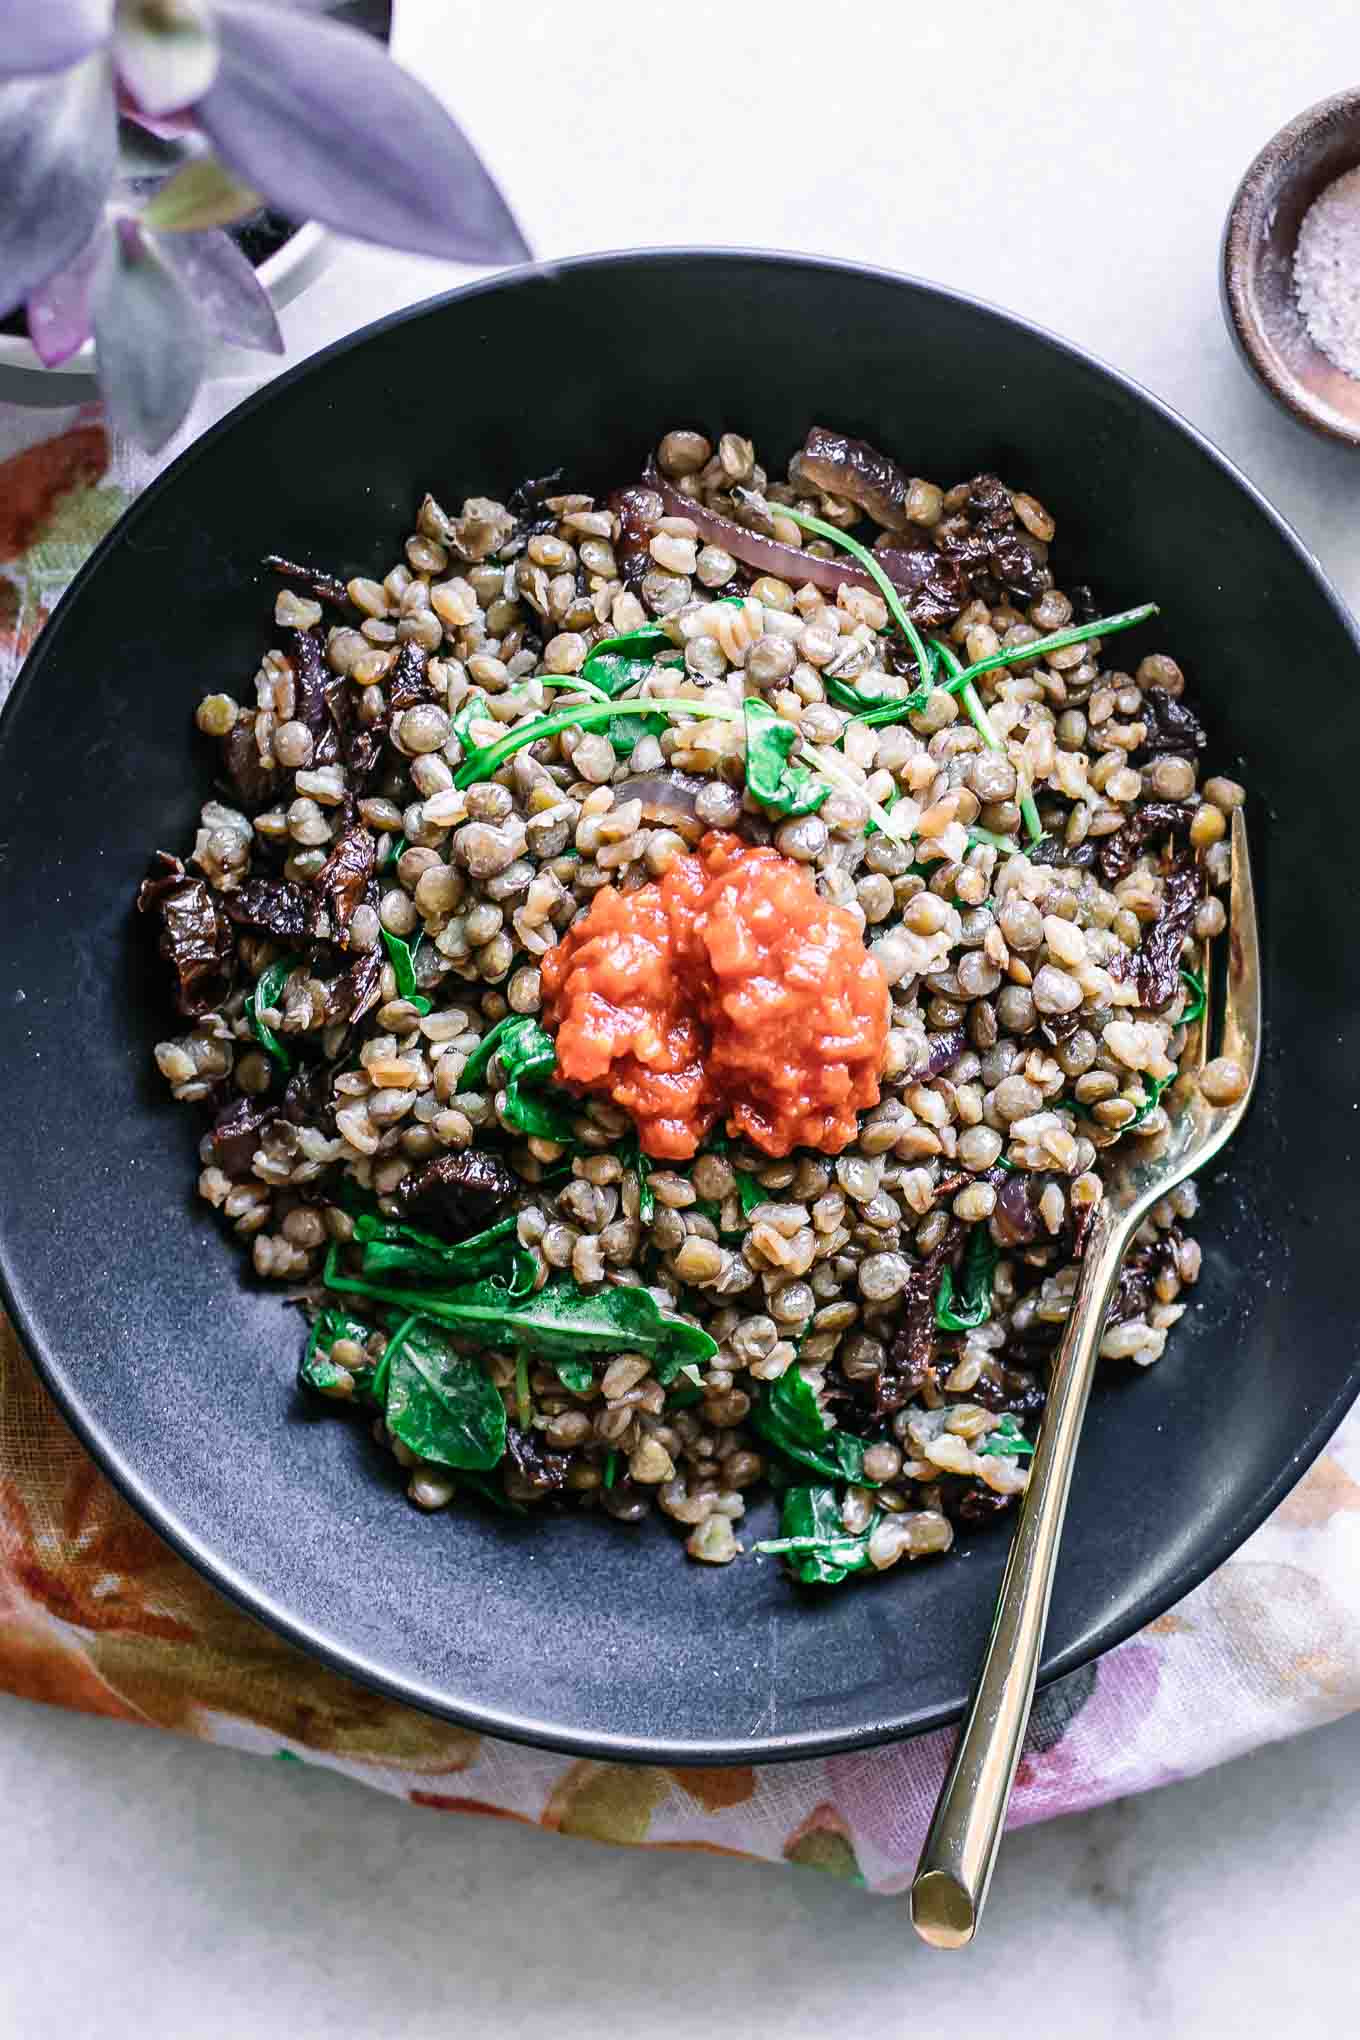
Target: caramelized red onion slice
(1018, 1223)
(908, 566)
(766, 555)
(941, 1051)
(857, 472)
(668, 797)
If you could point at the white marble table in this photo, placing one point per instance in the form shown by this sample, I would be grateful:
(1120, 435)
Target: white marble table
(1075, 163)
(154, 1890)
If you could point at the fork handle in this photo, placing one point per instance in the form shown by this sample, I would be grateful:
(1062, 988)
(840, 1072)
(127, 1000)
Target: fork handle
(950, 1886)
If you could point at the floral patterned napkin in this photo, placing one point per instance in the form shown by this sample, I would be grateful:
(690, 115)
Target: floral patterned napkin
(97, 1613)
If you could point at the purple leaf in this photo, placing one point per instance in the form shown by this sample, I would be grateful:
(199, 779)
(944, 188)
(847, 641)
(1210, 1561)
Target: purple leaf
(58, 146)
(150, 340)
(59, 319)
(166, 57)
(228, 293)
(50, 35)
(317, 117)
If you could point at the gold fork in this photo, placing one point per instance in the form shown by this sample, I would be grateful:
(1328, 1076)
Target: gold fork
(950, 1887)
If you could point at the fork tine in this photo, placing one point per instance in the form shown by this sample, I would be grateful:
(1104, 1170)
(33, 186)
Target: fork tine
(1198, 1053)
(1242, 1005)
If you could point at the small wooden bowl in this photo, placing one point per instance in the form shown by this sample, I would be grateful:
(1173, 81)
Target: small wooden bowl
(1257, 275)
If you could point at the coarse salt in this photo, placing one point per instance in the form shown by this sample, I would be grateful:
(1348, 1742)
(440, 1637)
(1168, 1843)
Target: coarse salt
(1327, 272)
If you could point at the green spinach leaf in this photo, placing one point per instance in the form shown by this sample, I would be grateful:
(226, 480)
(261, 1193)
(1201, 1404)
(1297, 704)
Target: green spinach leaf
(960, 682)
(898, 711)
(1006, 1441)
(617, 663)
(854, 698)
(441, 1404)
(973, 1304)
(403, 958)
(472, 711)
(633, 1158)
(783, 789)
(1153, 1087)
(820, 1550)
(392, 1248)
(977, 837)
(561, 1321)
(1058, 640)
(529, 1057)
(267, 992)
(317, 1371)
(536, 1117)
(1194, 1010)
(750, 1190)
(620, 662)
(885, 708)
(528, 1051)
(482, 763)
(648, 637)
(474, 1069)
(623, 731)
(750, 1194)
(576, 1376)
(787, 1416)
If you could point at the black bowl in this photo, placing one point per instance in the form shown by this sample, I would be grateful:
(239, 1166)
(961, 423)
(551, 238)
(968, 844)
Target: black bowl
(178, 1371)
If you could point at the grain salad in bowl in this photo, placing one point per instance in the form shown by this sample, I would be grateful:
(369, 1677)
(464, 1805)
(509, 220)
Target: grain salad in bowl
(663, 970)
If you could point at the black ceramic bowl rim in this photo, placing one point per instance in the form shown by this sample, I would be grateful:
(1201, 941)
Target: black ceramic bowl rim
(1202, 1558)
